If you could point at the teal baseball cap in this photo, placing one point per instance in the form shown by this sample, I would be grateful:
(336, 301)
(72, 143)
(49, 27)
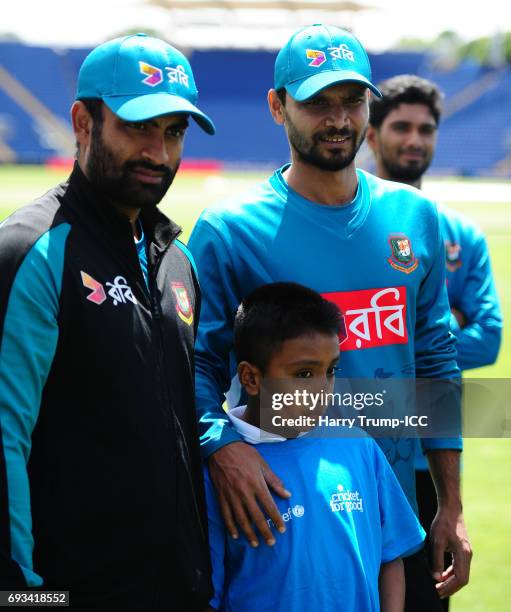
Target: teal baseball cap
(140, 77)
(319, 56)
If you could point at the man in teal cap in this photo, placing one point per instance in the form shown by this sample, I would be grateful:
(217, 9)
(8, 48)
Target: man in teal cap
(372, 247)
(100, 475)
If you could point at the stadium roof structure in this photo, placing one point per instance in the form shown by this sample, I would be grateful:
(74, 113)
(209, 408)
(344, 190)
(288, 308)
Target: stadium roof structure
(249, 24)
(289, 5)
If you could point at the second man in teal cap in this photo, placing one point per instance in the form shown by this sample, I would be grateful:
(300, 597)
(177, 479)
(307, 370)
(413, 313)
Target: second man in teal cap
(370, 246)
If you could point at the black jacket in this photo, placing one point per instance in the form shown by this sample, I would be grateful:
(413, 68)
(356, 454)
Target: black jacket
(97, 407)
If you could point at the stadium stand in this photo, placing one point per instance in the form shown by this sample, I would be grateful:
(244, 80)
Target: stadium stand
(477, 138)
(37, 87)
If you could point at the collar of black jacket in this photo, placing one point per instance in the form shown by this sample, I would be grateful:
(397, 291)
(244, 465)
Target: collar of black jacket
(94, 206)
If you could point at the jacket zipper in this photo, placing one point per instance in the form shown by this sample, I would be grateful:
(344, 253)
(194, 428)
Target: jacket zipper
(184, 452)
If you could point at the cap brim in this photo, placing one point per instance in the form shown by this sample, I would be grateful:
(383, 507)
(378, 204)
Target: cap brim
(303, 89)
(142, 108)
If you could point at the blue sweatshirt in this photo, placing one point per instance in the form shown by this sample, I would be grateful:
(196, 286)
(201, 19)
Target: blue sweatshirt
(471, 289)
(383, 249)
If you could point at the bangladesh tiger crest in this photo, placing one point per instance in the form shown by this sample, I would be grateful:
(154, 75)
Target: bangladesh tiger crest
(183, 306)
(452, 256)
(402, 257)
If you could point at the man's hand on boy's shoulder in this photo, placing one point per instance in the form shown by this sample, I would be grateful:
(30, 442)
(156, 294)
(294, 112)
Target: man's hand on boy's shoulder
(241, 478)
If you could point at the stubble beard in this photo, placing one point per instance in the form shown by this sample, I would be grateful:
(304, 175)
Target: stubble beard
(409, 174)
(309, 153)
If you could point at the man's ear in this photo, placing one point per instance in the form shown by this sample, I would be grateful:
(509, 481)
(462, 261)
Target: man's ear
(372, 138)
(276, 107)
(82, 124)
(250, 377)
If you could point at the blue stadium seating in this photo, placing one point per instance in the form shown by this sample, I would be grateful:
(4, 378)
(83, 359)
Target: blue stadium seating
(233, 86)
(46, 73)
(475, 139)
(19, 132)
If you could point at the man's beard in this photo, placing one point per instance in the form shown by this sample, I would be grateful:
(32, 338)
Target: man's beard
(408, 174)
(116, 181)
(309, 153)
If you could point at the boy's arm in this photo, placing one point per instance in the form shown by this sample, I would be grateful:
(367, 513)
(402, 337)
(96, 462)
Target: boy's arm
(401, 532)
(240, 475)
(391, 586)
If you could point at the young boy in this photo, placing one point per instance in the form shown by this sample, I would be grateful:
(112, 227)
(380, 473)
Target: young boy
(348, 521)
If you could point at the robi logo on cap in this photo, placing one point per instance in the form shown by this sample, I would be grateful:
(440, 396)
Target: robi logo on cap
(154, 75)
(318, 57)
(342, 52)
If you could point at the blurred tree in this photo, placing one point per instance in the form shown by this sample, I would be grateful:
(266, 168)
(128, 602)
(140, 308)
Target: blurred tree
(9, 37)
(493, 51)
(488, 50)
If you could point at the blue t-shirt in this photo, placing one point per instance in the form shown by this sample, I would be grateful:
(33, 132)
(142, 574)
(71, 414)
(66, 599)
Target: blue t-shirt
(381, 254)
(347, 515)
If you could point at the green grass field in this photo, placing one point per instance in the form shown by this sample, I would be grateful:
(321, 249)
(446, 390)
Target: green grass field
(487, 485)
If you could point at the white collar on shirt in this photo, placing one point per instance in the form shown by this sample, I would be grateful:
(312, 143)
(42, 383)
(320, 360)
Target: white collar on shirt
(251, 433)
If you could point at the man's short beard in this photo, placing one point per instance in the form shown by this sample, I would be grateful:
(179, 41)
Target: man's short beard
(115, 180)
(404, 174)
(310, 154)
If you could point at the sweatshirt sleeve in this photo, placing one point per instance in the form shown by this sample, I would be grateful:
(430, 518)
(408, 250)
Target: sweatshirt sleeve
(479, 340)
(29, 307)
(435, 351)
(215, 367)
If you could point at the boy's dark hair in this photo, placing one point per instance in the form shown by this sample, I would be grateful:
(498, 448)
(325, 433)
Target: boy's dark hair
(405, 89)
(277, 312)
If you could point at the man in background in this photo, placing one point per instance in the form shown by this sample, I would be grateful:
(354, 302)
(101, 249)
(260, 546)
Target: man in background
(402, 133)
